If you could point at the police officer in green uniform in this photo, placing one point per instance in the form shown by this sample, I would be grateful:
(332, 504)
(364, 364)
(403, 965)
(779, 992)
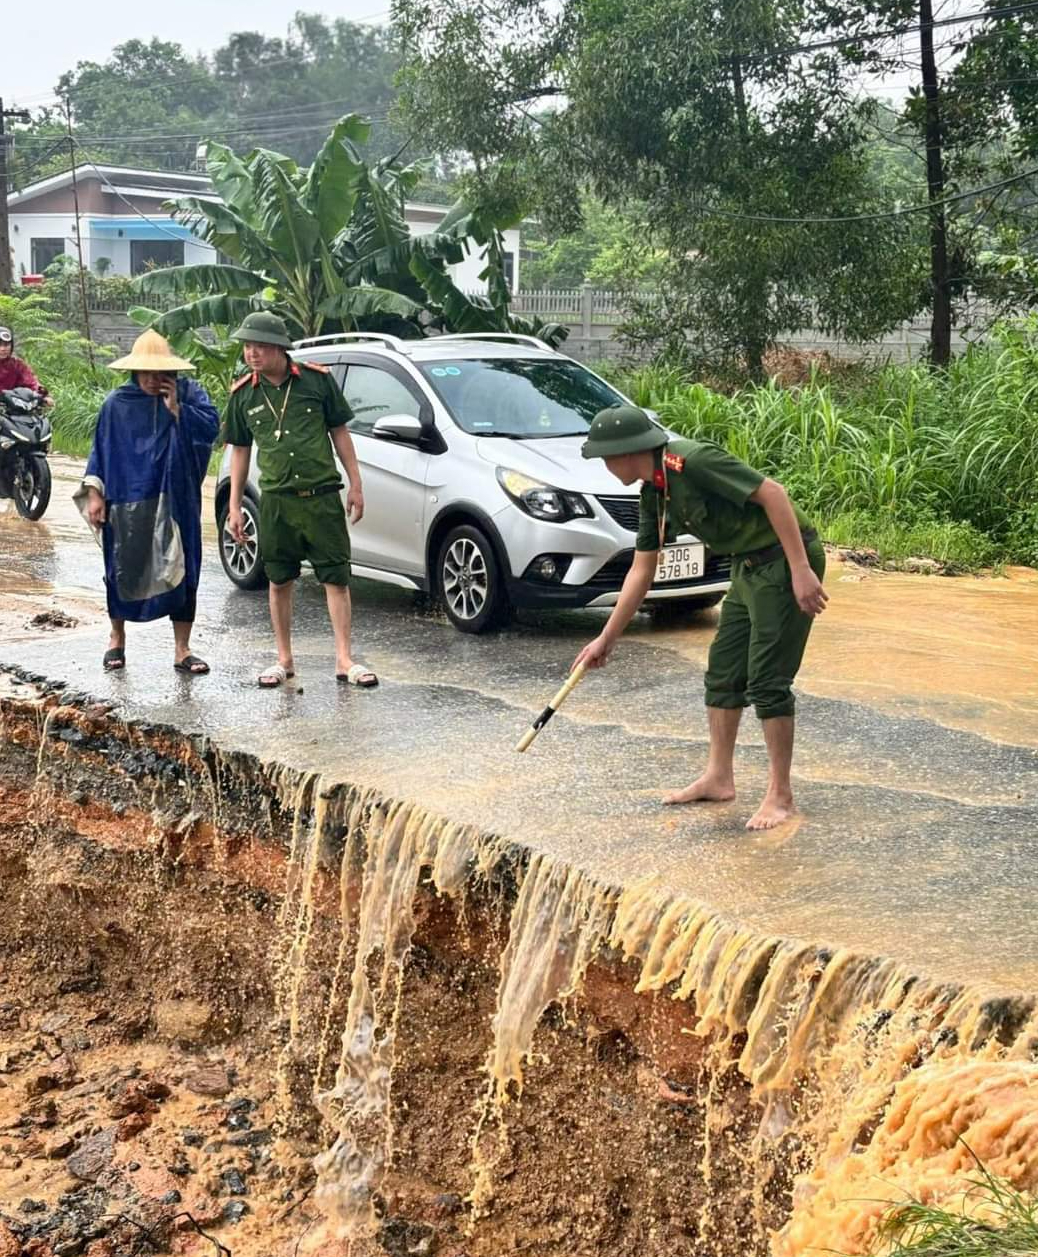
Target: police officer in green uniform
(777, 567)
(295, 413)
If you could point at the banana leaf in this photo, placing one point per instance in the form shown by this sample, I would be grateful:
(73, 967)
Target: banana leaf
(212, 278)
(207, 312)
(366, 302)
(289, 228)
(334, 180)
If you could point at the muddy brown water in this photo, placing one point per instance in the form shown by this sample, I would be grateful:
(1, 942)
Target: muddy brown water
(608, 1039)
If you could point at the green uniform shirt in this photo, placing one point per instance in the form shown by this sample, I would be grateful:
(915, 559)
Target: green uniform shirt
(708, 492)
(302, 457)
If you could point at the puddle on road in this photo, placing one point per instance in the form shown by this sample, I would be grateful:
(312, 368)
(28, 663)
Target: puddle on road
(959, 650)
(476, 1047)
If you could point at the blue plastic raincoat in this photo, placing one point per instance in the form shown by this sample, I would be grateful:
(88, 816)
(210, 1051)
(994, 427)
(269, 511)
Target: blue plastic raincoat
(149, 468)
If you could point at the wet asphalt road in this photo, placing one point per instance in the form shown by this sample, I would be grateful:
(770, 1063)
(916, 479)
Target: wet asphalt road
(919, 836)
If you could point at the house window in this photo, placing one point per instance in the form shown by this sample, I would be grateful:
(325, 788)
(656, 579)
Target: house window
(44, 251)
(150, 255)
(508, 266)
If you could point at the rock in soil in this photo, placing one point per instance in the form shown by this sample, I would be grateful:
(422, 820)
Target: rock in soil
(93, 1156)
(212, 1080)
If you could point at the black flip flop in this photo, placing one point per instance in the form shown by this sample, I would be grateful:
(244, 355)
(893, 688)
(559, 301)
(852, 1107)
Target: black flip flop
(190, 665)
(115, 659)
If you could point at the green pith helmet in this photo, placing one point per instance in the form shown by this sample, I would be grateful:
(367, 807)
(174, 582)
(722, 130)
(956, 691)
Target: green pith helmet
(264, 328)
(622, 430)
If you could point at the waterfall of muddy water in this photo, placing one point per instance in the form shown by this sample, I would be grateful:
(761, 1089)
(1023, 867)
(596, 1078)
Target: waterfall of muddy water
(358, 1105)
(857, 1064)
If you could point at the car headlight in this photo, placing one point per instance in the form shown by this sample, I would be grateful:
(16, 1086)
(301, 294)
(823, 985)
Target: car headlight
(540, 500)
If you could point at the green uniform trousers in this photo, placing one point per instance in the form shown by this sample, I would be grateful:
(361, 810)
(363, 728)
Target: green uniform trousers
(294, 529)
(760, 638)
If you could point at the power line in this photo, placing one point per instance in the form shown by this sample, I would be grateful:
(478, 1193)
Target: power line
(859, 218)
(269, 130)
(893, 32)
(105, 180)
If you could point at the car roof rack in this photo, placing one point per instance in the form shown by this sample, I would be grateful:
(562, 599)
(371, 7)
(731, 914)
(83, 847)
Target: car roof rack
(520, 338)
(393, 342)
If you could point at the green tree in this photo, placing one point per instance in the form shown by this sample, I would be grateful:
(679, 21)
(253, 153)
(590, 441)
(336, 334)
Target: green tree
(970, 120)
(695, 113)
(609, 250)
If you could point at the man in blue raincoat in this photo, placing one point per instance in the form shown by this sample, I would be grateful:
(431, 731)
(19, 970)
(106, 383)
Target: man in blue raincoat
(143, 492)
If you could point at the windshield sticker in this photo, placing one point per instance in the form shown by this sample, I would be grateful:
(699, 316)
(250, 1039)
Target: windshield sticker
(442, 371)
(482, 423)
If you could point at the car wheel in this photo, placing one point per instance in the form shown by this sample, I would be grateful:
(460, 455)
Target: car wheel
(672, 610)
(242, 563)
(469, 580)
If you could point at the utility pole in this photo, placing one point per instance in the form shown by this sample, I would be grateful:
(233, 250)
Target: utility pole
(940, 325)
(79, 238)
(6, 278)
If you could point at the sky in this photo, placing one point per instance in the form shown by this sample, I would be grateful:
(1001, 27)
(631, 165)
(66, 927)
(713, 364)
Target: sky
(199, 25)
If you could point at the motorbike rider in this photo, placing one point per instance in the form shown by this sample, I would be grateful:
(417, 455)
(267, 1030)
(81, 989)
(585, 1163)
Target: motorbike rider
(15, 372)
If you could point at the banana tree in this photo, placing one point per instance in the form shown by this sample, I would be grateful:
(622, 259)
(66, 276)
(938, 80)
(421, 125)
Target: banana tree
(328, 248)
(278, 225)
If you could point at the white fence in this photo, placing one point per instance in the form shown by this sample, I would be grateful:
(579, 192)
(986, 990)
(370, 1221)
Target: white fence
(594, 316)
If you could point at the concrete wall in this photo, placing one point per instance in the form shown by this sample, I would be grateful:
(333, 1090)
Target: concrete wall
(594, 318)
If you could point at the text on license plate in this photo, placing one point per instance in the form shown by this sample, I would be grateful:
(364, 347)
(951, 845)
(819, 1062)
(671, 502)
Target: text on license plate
(680, 563)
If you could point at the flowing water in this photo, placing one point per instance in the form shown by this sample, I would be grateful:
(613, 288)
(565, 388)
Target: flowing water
(875, 1082)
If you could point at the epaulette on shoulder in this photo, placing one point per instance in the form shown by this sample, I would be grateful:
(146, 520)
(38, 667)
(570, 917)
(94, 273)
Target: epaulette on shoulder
(241, 381)
(316, 366)
(673, 462)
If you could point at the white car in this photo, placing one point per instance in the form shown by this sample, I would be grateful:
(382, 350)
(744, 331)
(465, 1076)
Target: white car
(475, 490)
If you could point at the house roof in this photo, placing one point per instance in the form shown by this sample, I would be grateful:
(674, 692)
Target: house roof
(128, 179)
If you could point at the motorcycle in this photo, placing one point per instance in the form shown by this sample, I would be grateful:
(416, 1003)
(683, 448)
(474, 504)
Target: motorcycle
(25, 434)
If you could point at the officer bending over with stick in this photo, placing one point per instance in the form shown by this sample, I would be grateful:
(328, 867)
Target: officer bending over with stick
(777, 567)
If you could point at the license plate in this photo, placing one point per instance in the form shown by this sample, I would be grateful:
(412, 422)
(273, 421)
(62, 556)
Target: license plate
(679, 563)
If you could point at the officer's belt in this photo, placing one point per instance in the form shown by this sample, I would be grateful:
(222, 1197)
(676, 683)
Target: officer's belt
(308, 493)
(757, 558)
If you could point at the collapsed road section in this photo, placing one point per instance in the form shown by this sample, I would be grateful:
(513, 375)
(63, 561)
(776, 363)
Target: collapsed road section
(249, 1009)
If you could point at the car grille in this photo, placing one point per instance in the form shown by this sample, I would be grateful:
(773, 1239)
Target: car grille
(624, 509)
(611, 575)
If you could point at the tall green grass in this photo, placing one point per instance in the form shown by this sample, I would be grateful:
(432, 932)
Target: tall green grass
(898, 458)
(1006, 1225)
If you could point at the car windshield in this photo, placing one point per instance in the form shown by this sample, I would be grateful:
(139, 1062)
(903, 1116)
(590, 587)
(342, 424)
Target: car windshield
(523, 398)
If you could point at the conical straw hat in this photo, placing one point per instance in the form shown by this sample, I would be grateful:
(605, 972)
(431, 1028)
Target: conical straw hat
(151, 352)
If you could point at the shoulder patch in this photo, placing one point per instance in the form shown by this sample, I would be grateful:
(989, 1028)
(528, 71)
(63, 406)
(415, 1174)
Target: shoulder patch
(673, 462)
(317, 366)
(247, 378)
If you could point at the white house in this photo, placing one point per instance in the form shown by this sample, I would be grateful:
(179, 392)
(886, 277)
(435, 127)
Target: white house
(124, 230)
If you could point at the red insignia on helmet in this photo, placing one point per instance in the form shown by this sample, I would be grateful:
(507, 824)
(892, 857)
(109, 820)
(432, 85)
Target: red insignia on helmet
(673, 462)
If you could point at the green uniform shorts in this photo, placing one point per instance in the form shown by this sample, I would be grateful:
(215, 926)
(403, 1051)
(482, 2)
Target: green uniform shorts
(293, 529)
(760, 638)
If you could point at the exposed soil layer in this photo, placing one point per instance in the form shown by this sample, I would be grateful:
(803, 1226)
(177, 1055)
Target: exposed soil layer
(193, 945)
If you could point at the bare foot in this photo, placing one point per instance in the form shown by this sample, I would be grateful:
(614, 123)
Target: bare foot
(774, 810)
(706, 789)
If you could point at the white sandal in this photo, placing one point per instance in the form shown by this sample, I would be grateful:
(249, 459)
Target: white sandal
(277, 674)
(359, 675)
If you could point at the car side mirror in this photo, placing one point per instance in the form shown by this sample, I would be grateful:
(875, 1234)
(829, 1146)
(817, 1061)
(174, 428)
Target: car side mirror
(399, 428)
